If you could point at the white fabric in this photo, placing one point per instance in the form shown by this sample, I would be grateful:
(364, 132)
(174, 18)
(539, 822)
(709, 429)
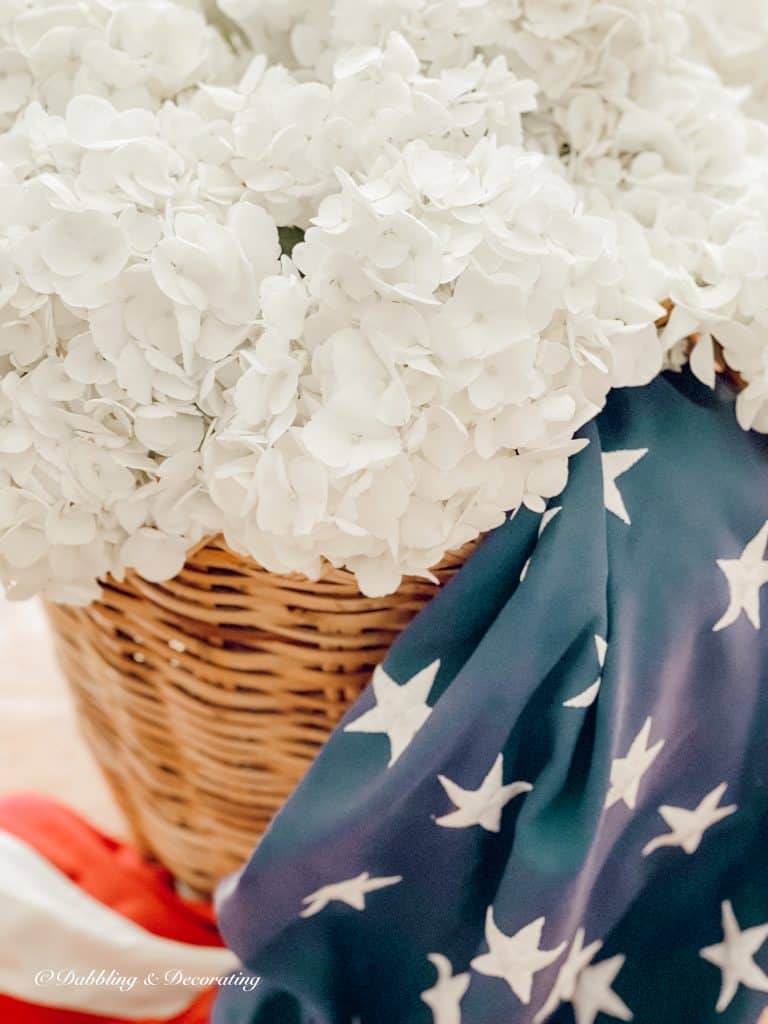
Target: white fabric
(49, 924)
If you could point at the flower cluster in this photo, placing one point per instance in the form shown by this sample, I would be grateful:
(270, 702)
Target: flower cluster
(464, 318)
(348, 296)
(733, 37)
(136, 53)
(636, 99)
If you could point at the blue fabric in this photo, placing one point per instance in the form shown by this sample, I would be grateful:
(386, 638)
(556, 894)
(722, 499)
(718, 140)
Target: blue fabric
(511, 654)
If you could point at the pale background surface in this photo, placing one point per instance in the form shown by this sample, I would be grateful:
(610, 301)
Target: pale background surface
(40, 746)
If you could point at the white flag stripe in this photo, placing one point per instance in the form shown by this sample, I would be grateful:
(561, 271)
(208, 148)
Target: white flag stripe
(49, 923)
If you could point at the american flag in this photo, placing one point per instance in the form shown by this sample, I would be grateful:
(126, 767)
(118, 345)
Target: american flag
(90, 933)
(550, 804)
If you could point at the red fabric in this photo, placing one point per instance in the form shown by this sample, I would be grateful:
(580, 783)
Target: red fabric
(115, 875)
(13, 1011)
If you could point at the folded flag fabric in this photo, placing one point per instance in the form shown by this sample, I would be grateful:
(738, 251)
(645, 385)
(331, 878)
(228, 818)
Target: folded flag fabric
(550, 805)
(92, 934)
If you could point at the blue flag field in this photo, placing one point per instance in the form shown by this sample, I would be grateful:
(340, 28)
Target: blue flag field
(550, 805)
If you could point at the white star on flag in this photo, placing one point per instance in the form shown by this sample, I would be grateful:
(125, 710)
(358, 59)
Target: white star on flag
(734, 957)
(588, 697)
(515, 958)
(400, 710)
(481, 806)
(614, 465)
(444, 998)
(351, 891)
(627, 772)
(688, 827)
(594, 993)
(587, 988)
(745, 576)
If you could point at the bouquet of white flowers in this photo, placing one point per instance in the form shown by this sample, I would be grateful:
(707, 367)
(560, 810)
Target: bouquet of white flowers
(342, 280)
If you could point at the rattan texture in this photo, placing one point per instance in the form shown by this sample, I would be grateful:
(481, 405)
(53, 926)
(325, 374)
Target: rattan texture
(206, 698)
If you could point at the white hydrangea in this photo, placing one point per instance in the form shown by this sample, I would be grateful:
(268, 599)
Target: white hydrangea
(733, 36)
(137, 53)
(655, 133)
(463, 319)
(343, 280)
(126, 289)
(635, 98)
(289, 135)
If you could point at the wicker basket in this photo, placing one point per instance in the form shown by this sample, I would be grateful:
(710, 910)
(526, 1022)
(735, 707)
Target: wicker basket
(206, 698)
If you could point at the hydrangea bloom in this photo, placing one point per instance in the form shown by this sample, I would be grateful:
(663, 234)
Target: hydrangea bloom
(137, 53)
(492, 200)
(635, 99)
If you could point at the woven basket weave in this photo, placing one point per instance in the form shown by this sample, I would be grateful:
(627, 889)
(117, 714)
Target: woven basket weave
(206, 698)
